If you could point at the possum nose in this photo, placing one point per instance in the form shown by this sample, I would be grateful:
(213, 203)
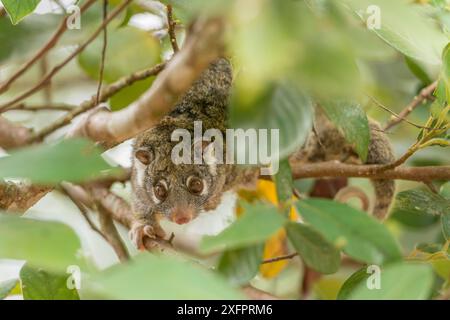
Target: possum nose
(181, 215)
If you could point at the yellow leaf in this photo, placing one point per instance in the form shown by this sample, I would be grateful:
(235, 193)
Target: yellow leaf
(276, 245)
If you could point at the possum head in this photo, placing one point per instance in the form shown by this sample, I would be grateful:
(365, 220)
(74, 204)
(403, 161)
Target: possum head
(178, 191)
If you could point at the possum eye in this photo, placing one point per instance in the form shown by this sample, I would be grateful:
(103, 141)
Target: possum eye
(144, 155)
(195, 185)
(160, 190)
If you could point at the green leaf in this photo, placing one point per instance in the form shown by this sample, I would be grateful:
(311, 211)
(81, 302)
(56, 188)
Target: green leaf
(406, 28)
(18, 40)
(414, 219)
(441, 98)
(73, 160)
(50, 245)
(429, 247)
(129, 94)
(188, 9)
(284, 183)
(351, 119)
(417, 70)
(422, 202)
(19, 9)
(129, 50)
(6, 287)
(445, 190)
(360, 236)
(445, 73)
(352, 282)
(418, 208)
(398, 282)
(281, 107)
(315, 251)
(328, 66)
(441, 265)
(158, 277)
(259, 222)
(38, 284)
(239, 266)
(445, 221)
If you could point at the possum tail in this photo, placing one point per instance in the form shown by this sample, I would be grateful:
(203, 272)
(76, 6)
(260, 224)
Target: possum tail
(380, 152)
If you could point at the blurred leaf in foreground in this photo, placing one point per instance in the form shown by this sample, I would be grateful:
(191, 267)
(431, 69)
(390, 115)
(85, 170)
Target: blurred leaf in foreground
(259, 222)
(6, 287)
(358, 234)
(352, 282)
(17, 10)
(351, 119)
(400, 281)
(404, 27)
(158, 277)
(239, 266)
(37, 284)
(312, 247)
(50, 245)
(281, 106)
(74, 160)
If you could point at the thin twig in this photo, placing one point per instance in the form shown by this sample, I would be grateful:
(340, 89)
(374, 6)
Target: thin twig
(49, 45)
(431, 186)
(106, 93)
(70, 191)
(111, 234)
(48, 87)
(424, 94)
(400, 118)
(171, 26)
(280, 258)
(105, 44)
(399, 161)
(45, 107)
(62, 64)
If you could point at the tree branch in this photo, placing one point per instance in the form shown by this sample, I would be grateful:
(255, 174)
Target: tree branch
(49, 45)
(12, 135)
(112, 235)
(19, 197)
(337, 169)
(103, 57)
(171, 25)
(62, 64)
(201, 48)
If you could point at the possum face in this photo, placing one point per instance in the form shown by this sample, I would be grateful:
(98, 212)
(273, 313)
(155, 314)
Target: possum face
(178, 191)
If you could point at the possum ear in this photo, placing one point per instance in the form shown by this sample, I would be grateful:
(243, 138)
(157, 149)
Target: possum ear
(144, 155)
